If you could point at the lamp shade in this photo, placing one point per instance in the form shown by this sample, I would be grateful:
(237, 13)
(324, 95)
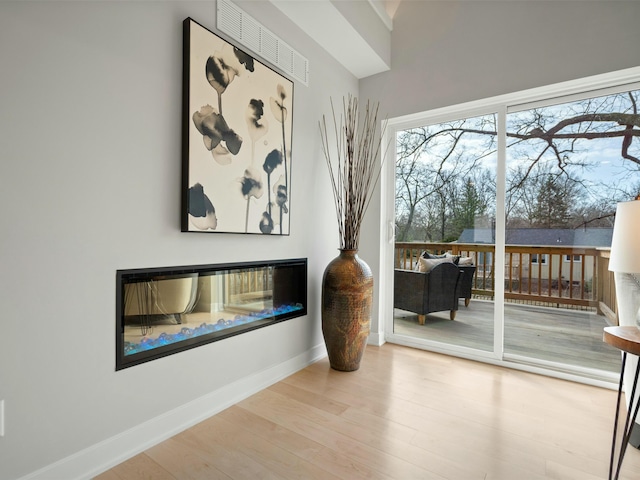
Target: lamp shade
(625, 245)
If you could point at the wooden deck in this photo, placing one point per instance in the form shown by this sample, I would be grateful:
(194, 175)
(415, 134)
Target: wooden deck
(552, 334)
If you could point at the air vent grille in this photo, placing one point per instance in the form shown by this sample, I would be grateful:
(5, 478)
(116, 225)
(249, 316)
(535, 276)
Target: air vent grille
(243, 28)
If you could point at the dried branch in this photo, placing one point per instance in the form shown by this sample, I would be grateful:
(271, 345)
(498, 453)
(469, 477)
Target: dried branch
(355, 171)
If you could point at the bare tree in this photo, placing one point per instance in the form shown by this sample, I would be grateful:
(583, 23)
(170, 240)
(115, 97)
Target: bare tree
(430, 163)
(549, 162)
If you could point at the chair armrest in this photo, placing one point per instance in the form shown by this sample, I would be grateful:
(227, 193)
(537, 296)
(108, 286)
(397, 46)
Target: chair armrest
(408, 289)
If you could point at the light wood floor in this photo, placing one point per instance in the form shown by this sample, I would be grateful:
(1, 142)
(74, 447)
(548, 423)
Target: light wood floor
(406, 414)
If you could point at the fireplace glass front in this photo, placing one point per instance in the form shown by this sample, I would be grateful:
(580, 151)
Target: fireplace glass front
(161, 311)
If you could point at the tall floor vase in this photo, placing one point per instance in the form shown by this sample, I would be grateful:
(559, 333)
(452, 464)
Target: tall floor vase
(347, 291)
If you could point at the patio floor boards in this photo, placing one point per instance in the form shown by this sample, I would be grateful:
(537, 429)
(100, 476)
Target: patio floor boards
(552, 334)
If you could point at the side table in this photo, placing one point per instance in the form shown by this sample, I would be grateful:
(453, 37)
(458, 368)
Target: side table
(626, 339)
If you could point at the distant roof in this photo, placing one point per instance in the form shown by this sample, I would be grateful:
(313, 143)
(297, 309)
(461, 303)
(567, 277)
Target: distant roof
(584, 237)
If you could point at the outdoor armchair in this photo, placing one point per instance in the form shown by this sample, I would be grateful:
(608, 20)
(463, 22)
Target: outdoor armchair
(432, 291)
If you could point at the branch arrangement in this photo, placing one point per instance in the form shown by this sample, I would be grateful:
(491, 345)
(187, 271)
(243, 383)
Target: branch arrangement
(355, 170)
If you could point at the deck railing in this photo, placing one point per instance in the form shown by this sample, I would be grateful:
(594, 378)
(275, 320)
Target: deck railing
(576, 277)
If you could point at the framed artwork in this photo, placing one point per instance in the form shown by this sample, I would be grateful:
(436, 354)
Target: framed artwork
(236, 139)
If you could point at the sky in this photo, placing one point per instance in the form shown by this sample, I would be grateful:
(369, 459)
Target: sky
(605, 167)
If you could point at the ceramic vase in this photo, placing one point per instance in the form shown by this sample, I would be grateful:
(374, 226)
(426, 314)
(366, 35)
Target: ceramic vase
(347, 291)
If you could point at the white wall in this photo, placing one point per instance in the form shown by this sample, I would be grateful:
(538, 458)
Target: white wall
(90, 104)
(449, 52)
(90, 177)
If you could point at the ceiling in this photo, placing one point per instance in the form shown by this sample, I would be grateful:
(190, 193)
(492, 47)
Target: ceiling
(360, 33)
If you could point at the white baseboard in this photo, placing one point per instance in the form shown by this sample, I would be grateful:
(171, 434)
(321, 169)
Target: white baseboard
(102, 456)
(376, 338)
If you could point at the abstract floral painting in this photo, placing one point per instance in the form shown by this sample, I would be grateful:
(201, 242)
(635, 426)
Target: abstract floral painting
(237, 132)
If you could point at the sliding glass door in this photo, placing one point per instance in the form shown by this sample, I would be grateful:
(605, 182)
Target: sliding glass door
(519, 193)
(445, 213)
(568, 164)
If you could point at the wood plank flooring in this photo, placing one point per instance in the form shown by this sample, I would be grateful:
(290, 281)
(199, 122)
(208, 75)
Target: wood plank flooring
(406, 414)
(553, 334)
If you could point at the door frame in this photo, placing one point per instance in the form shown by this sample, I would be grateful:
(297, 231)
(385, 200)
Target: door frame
(608, 83)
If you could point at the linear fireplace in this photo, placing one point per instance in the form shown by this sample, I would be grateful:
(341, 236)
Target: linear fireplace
(162, 311)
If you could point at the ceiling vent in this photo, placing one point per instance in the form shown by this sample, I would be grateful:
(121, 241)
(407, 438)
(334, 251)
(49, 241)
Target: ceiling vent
(243, 28)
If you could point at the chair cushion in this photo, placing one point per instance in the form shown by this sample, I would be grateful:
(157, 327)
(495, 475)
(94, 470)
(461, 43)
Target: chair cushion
(454, 258)
(465, 261)
(426, 264)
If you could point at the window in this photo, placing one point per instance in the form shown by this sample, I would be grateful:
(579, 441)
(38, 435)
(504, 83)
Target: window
(446, 182)
(534, 171)
(543, 258)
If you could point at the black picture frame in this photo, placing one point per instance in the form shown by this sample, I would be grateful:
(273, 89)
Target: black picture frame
(236, 136)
